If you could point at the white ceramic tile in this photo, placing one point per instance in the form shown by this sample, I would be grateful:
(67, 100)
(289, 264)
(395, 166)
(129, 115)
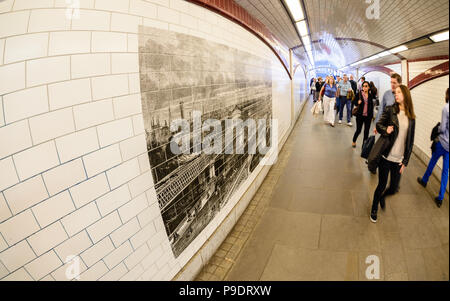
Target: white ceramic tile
(91, 65)
(102, 160)
(8, 175)
(48, 70)
(25, 103)
(77, 144)
(94, 113)
(25, 47)
(19, 227)
(52, 125)
(26, 194)
(16, 137)
(64, 176)
(69, 42)
(89, 190)
(53, 209)
(47, 238)
(80, 219)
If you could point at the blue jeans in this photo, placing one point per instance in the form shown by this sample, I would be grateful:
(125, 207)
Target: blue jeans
(440, 152)
(338, 104)
(345, 102)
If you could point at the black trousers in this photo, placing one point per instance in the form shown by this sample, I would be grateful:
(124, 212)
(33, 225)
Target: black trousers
(385, 169)
(360, 122)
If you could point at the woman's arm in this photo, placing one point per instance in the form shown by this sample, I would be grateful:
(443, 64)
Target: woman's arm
(444, 121)
(383, 123)
(356, 99)
(320, 94)
(410, 145)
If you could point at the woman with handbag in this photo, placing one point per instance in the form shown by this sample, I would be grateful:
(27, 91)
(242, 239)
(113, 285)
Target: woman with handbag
(329, 91)
(397, 126)
(313, 89)
(363, 111)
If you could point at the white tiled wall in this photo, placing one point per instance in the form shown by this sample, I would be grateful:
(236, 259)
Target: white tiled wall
(396, 68)
(75, 179)
(300, 90)
(381, 80)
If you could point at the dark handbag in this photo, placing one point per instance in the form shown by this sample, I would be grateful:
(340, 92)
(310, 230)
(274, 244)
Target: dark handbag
(356, 108)
(435, 136)
(377, 152)
(367, 147)
(435, 132)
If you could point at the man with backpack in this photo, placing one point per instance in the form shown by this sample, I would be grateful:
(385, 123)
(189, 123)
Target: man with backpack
(440, 150)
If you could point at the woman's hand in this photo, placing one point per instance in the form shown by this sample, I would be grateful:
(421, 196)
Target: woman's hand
(359, 102)
(402, 169)
(390, 129)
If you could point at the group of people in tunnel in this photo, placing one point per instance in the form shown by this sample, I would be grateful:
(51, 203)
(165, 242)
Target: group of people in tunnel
(395, 123)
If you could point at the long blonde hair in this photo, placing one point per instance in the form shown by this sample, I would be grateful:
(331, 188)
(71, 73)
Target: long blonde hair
(351, 95)
(331, 79)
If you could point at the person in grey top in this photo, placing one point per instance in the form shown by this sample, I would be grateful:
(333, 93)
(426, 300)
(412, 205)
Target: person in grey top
(389, 96)
(344, 87)
(440, 151)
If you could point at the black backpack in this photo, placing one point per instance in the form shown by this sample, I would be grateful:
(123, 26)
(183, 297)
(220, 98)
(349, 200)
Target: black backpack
(434, 136)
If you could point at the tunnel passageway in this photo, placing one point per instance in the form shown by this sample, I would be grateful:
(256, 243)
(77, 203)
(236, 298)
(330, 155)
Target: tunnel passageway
(309, 220)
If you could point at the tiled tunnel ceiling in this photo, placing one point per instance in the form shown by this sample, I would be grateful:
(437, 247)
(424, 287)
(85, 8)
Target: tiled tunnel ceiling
(274, 16)
(400, 21)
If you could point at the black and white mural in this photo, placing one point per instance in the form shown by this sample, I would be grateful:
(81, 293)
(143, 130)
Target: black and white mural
(182, 76)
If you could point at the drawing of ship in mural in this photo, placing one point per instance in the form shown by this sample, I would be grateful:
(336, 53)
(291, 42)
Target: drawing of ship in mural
(229, 84)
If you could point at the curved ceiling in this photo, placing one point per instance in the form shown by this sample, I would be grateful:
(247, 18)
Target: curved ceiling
(342, 33)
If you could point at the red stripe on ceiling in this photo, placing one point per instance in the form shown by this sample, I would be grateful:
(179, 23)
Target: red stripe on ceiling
(236, 13)
(430, 74)
(431, 58)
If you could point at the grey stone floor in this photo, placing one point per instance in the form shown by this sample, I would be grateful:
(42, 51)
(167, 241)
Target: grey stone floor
(310, 218)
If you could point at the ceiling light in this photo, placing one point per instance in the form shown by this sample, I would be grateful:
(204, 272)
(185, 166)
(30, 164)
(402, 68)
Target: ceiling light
(306, 40)
(307, 43)
(302, 28)
(440, 37)
(383, 54)
(398, 49)
(296, 9)
(308, 47)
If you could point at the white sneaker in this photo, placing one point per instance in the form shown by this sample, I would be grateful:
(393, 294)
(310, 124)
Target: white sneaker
(350, 124)
(340, 121)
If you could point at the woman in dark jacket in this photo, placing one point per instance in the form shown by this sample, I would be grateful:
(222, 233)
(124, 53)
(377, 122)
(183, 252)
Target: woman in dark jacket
(397, 124)
(364, 116)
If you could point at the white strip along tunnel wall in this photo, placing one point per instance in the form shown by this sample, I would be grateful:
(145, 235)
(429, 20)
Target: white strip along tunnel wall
(75, 177)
